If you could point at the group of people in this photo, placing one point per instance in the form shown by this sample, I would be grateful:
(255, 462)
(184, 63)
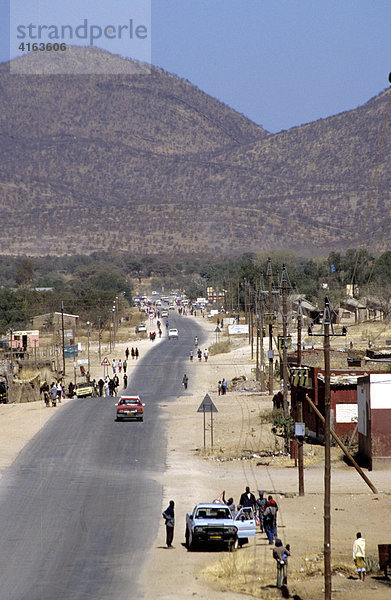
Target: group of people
(134, 353)
(52, 394)
(199, 354)
(222, 387)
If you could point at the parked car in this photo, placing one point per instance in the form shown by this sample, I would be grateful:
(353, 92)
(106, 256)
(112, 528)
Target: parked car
(130, 407)
(173, 334)
(140, 328)
(83, 390)
(211, 524)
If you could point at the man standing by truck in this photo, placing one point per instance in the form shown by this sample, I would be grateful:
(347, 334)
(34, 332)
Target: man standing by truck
(169, 517)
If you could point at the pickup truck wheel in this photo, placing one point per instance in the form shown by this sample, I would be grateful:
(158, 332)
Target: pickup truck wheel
(190, 543)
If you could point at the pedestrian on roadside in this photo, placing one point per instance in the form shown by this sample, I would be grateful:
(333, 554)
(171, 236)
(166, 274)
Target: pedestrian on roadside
(280, 554)
(359, 555)
(53, 394)
(261, 506)
(169, 517)
(185, 381)
(270, 519)
(224, 386)
(111, 387)
(191, 355)
(125, 380)
(107, 387)
(127, 353)
(206, 354)
(132, 352)
(136, 353)
(125, 365)
(59, 391)
(248, 499)
(114, 366)
(219, 388)
(119, 365)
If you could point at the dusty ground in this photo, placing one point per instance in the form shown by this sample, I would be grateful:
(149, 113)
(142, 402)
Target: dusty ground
(194, 475)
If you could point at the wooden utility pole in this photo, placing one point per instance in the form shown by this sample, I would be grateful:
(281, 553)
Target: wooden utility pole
(270, 291)
(63, 338)
(284, 290)
(300, 415)
(261, 352)
(327, 461)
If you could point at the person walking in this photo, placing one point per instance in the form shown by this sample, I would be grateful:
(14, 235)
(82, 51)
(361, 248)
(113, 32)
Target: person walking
(132, 352)
(224, 386)
(136, 353)
(125, 365)
(169, 517)
(114, 366)
(280, 554)
(127, 353)
(185, 381)
(270, 519)
(101, 384)
(191, 355)
(53, 394)
(261, 506)
(107, 387)
(125, 380)
(359, 555)
(248, 499)
(119, 365)
(219, 390)
(206, 354)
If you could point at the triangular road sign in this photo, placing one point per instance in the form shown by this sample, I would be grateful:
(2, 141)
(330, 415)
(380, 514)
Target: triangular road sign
(217, 330)
(207, 405)
(105, 362)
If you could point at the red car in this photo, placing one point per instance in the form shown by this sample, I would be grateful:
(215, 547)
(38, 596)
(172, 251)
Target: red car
(130, 407)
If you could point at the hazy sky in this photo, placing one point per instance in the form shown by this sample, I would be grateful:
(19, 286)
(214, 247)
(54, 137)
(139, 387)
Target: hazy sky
(279, 62)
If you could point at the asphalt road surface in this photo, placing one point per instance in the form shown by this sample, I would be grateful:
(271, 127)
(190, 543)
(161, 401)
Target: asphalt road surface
(80, 506)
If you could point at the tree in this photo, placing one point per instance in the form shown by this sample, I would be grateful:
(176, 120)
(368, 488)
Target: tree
(24, 272)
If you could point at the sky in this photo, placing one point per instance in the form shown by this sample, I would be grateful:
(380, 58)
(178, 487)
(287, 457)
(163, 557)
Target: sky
(281, 63)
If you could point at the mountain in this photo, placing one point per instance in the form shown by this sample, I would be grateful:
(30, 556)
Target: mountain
(146, 162)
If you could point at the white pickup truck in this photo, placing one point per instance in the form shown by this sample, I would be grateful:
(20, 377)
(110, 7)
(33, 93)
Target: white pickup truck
(214, 523)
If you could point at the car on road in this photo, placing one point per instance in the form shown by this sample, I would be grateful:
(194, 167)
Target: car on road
(171, 307)
(140, 328)
(164, 313)
(83, 390)
(130, 407)
(173, 334)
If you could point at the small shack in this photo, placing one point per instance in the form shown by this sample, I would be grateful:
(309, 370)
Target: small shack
(374, 419)
(24, 339)
(343, 401)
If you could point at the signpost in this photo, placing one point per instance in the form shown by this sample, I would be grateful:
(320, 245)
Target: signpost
(208, 406)
(105, 363)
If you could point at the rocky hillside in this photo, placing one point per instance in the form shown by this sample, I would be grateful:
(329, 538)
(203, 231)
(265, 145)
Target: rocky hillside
(149, 163)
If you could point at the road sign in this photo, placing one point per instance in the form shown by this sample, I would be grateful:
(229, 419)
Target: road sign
(217, 330)
(105, 362)
(207, 405)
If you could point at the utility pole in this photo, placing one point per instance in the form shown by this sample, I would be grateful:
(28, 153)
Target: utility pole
(63, 338)
(269, 281)
(261, 351)
(327, 460)
(300, 415)
(284, 290)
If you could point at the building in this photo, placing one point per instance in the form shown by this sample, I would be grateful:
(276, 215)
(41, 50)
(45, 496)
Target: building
(23, 339)
(374, 419)
(53, 321)
(343, 401)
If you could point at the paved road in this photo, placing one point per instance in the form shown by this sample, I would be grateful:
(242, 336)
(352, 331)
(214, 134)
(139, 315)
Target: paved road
(80, 506)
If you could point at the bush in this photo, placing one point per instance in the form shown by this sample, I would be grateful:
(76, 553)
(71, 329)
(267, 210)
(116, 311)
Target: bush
(219, 348)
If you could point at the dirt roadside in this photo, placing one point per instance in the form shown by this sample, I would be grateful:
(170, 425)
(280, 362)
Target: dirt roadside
(191, 477)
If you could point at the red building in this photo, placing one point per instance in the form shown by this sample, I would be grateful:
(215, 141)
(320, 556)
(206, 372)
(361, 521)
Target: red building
(374, 419)
(343, 401)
